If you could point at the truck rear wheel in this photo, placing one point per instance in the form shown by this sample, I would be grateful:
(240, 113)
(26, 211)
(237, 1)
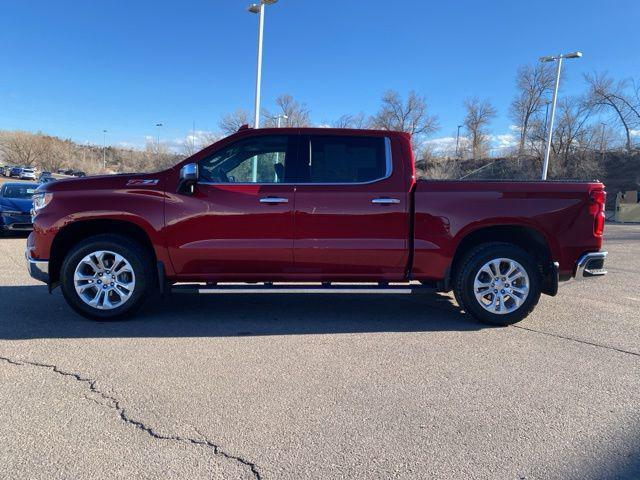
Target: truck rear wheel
(107, 277)
(498, 283)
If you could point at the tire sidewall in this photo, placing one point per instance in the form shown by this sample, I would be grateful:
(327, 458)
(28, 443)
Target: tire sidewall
(465, 288)
(132, 252)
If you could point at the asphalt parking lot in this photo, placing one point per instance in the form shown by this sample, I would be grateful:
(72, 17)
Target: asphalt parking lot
(313, 387)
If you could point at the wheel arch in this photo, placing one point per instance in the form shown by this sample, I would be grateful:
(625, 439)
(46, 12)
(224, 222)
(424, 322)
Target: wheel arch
(75, 232)
(526, 237)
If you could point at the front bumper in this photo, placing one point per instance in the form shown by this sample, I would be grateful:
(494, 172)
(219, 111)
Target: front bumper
(16, 222)
(38, 269)
(17, 227)
(591, 265)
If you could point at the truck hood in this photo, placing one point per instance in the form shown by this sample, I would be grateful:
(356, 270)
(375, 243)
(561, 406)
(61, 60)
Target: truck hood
(150, 181)
(16, 204)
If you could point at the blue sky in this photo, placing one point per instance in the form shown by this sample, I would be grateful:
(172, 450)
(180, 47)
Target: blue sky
(73, 68)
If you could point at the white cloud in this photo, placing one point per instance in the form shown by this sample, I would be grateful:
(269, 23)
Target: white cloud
(195, 140)
(634, 133)
(504, 140)
(130, 145)
(441, 142)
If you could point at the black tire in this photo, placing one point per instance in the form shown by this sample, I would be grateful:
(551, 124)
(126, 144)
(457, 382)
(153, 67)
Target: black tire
(471, 264)
(140, 259)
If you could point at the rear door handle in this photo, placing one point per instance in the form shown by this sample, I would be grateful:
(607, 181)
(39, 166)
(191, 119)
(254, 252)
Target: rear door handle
(274, 200)
(385, 201)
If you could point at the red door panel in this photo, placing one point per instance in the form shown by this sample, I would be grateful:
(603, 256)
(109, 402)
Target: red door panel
(353, 231)
(341, 234)
(232, 232)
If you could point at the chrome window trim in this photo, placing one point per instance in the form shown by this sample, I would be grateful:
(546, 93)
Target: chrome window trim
(388, 173)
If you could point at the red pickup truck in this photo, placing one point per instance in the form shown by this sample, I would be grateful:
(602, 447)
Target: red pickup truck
(316, 211)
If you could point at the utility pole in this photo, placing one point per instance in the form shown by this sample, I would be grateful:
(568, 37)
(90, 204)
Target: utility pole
(458, 140)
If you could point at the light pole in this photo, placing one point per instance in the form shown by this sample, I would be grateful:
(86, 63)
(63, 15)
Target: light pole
(259, 9)
(546, 115)
(158, 125)
(602, 141)
(104, 149)
(558, 59)
(458, 140)
(281, 117)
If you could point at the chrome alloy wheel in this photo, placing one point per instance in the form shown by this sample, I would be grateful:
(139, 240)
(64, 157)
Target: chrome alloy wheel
(104, 280)
(501, 286)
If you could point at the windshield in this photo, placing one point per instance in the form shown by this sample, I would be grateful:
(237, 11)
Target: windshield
(18, 191)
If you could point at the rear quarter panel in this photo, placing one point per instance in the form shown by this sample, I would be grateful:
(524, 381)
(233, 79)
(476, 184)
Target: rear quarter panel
(447, 211)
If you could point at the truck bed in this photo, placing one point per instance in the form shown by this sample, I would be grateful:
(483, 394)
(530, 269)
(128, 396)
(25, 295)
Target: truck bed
(446, 211)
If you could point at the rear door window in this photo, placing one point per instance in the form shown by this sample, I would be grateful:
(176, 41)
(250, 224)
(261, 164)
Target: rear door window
(344, 159)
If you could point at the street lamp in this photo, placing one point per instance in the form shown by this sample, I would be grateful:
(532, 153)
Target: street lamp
(546, 115)
(259, 9)
(282, 117)
(558, 59)
(458, 140)
(602, 142)
(158, 142)
(104, 149)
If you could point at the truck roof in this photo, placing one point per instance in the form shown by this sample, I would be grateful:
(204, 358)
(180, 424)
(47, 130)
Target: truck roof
(323, 131)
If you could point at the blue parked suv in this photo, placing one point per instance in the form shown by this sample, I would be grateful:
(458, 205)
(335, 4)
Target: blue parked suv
(15, 207)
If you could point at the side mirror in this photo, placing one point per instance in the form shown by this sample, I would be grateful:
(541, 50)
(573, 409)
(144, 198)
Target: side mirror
(188, 178)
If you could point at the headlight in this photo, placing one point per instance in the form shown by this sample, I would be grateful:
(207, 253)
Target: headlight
(41, 200)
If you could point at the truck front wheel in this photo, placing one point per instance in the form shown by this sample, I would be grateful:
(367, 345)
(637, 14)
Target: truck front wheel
(107, 277)
(498, 283)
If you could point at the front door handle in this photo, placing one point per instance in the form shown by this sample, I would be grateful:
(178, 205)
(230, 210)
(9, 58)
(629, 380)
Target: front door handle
(385, 201)
(274, 200)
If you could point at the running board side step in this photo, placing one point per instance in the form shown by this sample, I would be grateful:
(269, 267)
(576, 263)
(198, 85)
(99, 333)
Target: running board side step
(301, 289)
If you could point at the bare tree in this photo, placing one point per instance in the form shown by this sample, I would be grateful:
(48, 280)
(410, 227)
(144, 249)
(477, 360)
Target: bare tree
(572, 136)
(410, 116)
(533, 84)
(56, 153)
(197, 140)
(231, 122)
(479, 115)
(22, 148)
(607, 94)
(351, 121)
(291, 112)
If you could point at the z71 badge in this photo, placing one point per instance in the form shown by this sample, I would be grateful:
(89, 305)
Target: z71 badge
(139, 182)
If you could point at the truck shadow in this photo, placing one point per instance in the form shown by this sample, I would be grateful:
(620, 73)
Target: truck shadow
(29, 312)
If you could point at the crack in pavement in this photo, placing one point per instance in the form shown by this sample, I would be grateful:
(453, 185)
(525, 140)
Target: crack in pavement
(114, 403)
(577, 340)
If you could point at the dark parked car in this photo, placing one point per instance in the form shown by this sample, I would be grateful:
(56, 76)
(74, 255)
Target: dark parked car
(79, 173)
(15, 172)
(16, 202)
(46, 178)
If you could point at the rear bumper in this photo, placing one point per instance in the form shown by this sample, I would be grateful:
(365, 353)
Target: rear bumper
(591, 265)
(38, 269)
